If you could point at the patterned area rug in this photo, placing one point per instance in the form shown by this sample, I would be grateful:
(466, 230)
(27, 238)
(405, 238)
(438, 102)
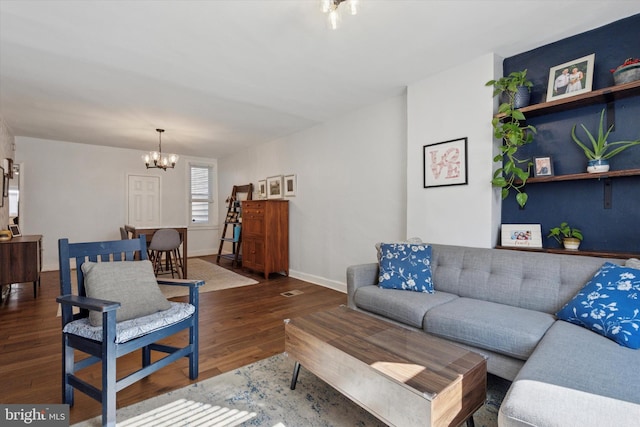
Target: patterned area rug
(215, 278)
(259, 395)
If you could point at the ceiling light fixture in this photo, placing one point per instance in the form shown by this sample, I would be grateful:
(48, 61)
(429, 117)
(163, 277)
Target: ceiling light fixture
(330, 7)
(155, 159)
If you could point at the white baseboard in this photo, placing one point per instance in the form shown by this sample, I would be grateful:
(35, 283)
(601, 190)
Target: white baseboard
(317, 280)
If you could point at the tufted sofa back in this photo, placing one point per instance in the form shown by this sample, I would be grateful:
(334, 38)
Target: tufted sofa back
(532, 280)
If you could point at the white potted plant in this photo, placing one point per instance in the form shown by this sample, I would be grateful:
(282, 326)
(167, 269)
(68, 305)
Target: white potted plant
(569, 237)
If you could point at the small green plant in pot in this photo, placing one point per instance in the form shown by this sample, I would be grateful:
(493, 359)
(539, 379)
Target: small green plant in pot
(507, 127)
(600, 150)
(568, 236)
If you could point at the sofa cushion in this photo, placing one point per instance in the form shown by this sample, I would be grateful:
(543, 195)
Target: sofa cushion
(131, 283)
(609, 305)
(405, 266)
(508, 330)
(633, 263)
(575, 368)
(404, 307)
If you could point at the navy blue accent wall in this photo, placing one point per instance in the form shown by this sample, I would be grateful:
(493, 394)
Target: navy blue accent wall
(581, 203)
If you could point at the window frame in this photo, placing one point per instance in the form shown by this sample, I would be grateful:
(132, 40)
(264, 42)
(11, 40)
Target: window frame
(211, 199)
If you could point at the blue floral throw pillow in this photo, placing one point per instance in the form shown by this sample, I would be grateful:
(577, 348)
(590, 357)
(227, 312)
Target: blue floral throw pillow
(609, 305)
(405, 266)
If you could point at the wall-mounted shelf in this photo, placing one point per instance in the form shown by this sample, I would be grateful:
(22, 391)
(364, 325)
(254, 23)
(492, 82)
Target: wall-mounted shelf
(599, 96)
(579, 176)
(601, 254)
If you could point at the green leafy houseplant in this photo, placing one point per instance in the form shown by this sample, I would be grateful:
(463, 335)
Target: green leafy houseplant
(600, 148)
(565, 231)
(508, 128)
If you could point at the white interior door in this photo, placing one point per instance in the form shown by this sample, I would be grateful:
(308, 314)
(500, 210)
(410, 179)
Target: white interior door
(143, 201)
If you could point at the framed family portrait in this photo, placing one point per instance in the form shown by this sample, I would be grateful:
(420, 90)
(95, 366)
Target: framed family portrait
(523, 235)
(542, 166)
(445, 163)
(290, 185)
(571, 78)
(274, 187)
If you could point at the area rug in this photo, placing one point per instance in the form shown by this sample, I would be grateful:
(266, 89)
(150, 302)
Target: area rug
(215, 277)
(259, 395)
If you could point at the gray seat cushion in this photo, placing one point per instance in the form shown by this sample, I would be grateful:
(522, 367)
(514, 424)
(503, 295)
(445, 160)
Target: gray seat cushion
(402, 306)
(575, 368)
(508, 330)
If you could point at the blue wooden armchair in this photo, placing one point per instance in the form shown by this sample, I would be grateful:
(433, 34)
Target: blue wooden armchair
(118, 268)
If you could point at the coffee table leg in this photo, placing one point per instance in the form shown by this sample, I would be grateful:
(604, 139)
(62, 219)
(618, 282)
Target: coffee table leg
(470, 422)
(294, 378)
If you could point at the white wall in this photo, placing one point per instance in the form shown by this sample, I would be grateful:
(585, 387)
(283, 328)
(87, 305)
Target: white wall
(351, 188)
(451, 105)
(79, 191)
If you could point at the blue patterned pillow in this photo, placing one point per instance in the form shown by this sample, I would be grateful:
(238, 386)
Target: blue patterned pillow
(405, 266)
(609, 305)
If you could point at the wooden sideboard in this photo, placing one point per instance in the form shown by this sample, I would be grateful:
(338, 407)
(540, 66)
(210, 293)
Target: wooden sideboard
(265, 236)
(21, 261)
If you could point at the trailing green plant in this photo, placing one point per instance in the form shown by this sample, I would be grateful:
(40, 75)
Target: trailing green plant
(508, 127)
(600, 147)
(563, 231)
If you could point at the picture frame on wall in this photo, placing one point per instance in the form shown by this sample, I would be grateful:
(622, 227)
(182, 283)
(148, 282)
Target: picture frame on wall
(521, 235)
(274, 187)
(3, 178)
(262, 189)
(290, 185)
(542, 166)
(445, 163)
(571, 78)
(5, 184)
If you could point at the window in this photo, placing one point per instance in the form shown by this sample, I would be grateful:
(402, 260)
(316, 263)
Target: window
(201, 194)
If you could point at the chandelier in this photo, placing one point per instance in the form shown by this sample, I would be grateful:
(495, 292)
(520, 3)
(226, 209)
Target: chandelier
(155, 159)
(330, 7)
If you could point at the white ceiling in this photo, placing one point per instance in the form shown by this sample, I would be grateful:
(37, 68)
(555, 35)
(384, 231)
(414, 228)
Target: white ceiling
(221, 75)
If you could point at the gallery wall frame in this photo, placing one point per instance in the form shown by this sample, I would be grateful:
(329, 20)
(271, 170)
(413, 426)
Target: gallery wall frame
(445, 163)
(262, 189)
(274, 187)
(290, 185)
(571, 78)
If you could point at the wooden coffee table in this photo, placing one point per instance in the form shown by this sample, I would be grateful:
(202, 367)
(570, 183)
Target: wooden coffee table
(403, 377)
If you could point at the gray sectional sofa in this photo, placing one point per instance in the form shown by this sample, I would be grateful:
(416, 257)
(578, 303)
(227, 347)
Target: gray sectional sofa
(502, 304)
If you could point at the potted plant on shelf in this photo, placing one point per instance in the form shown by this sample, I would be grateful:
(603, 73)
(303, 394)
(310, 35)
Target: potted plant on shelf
(508, 128)
(601, 150)
(570, 237)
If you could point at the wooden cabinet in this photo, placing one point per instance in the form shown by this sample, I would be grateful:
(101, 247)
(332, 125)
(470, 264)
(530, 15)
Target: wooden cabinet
(21, 261)
(265, 236)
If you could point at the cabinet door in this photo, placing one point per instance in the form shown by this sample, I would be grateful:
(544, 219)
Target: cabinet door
(253, 225)
(253, 254)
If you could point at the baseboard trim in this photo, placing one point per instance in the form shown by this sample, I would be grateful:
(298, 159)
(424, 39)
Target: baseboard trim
(317, 280)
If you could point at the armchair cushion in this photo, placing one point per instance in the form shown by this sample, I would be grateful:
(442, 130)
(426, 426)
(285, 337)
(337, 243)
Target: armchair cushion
(133, 328)
(131, 283)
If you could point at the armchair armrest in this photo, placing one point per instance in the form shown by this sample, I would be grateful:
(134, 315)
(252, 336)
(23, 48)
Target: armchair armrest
(87, 303)
(181, 282)
(358, 276)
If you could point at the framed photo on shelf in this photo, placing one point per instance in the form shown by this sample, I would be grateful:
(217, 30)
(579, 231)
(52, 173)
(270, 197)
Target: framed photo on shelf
(274, 187)
(15, 230)
(522, 235)
(290, 185)
(542, 166)
(445, 163)
(571, 78)
(262, 189)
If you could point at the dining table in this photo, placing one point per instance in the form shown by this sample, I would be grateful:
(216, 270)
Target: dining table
(135, 232)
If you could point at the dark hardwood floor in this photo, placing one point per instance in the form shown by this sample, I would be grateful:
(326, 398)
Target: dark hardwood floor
(237, 327)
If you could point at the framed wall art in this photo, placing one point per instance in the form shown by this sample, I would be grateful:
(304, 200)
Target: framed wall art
(290, 185)
(15, 230)
(571, 78)
(445, 163)
(274, 187)
(542, 166)
(262, 189)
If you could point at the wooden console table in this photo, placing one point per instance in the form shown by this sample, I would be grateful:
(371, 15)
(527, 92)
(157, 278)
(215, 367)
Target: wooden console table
(21, 261)
(150, 231)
